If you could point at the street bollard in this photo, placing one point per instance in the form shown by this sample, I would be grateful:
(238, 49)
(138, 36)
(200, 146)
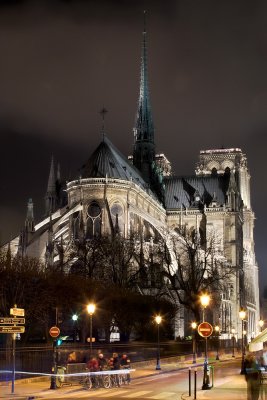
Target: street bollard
(212, 375)
(189, 380)
(195, 384)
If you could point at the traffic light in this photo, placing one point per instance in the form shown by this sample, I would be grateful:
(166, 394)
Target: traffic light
(59, 342)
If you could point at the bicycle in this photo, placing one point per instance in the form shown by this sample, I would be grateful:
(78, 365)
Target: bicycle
(86, 382)
(60, 379)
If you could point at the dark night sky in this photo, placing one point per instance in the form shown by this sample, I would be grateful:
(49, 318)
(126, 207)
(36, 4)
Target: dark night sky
(61, 61)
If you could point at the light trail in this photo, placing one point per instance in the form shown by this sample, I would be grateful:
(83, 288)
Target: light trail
(77, 374)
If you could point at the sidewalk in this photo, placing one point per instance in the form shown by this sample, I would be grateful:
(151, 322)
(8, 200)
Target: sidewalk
(34, 388)
(229, 388)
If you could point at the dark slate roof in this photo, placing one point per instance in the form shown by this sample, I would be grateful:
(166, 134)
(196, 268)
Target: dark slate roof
(180, 192)
(107, 161)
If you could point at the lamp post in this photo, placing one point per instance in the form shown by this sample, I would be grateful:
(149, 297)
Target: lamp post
(74, 319)
(194, 326)
(245, 341)
(205, 300)
(217, 332)
(158, 320)
(91, 310)
(261, 323)
(233, 342)
(242, 316)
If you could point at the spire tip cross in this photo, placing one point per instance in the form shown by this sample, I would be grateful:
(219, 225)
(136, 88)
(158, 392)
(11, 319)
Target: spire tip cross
(144, 21)
(103, 112)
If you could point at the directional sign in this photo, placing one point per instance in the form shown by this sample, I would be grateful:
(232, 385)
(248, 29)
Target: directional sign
(17, 311)
(205, 329)
(9, 320)
(12, 329)
(54, 331)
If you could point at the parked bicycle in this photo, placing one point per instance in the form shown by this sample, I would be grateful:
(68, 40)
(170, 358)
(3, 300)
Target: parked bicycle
(95, 380)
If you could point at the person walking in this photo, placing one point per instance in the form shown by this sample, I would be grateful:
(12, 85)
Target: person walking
(252, 375)
(125, 364)
(102, 362)
(116, 366)
(93, 366)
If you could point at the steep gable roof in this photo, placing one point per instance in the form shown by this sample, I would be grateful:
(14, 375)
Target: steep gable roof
(179, 192)
(107, 161)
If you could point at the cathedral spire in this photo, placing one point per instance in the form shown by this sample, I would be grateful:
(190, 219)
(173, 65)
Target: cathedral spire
(144, 128)
(144, 147)
(49, 254)
(29, 222)
(51, 193)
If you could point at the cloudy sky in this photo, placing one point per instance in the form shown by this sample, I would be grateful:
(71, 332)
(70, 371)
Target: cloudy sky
(61, 61)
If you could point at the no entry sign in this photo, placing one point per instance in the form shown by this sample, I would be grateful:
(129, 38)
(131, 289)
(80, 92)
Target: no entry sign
(205, 329)
(54, 331)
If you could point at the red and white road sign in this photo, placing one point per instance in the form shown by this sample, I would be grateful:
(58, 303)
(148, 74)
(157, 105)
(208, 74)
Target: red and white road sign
(205, 329)
(54, 331)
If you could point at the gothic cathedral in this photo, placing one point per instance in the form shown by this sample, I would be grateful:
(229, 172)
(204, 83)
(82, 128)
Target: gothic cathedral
(140, 193)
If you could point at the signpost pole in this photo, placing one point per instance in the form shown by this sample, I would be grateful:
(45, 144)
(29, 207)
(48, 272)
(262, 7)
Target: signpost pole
(54, 368)
(12, 325)
(54, 333)
(205, 330)
(13, 362)
(206, 378)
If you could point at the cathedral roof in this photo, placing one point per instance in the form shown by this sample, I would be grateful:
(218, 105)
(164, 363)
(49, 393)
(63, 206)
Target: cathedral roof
(181, 192)
(107, 161)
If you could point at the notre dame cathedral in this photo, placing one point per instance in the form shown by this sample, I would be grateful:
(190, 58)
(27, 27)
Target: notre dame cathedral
(140, 192)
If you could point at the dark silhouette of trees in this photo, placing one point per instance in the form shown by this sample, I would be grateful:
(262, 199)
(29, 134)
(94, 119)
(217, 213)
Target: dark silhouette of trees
(45, 293)
(194, 264)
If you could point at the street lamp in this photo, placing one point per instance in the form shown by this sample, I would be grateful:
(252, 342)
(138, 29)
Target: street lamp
(242, 316)
(261, 323)
(205, 300)
(217, 332)
(233, 342)
(158, 320)
(74, 319)
(194, 326)
(91, 310)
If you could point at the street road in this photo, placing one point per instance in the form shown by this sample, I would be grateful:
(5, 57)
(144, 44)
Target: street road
(169, 386)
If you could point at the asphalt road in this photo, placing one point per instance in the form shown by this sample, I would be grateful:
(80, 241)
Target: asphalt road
(228, 385)
(167, 386)
(170, 386)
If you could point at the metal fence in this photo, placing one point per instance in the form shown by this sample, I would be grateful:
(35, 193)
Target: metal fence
(39, 358)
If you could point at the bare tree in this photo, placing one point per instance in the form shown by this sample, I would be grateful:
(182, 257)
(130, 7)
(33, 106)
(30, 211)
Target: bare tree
(193, 265)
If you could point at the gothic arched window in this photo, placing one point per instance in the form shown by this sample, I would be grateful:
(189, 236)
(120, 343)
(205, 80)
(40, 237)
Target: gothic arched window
(75, 224)
(214, 172)
(93, 220)
(227, 171)
(117, 217)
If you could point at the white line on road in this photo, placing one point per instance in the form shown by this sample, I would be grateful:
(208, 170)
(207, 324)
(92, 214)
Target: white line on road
(138, 394)
(163, 395)
(113, 393)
